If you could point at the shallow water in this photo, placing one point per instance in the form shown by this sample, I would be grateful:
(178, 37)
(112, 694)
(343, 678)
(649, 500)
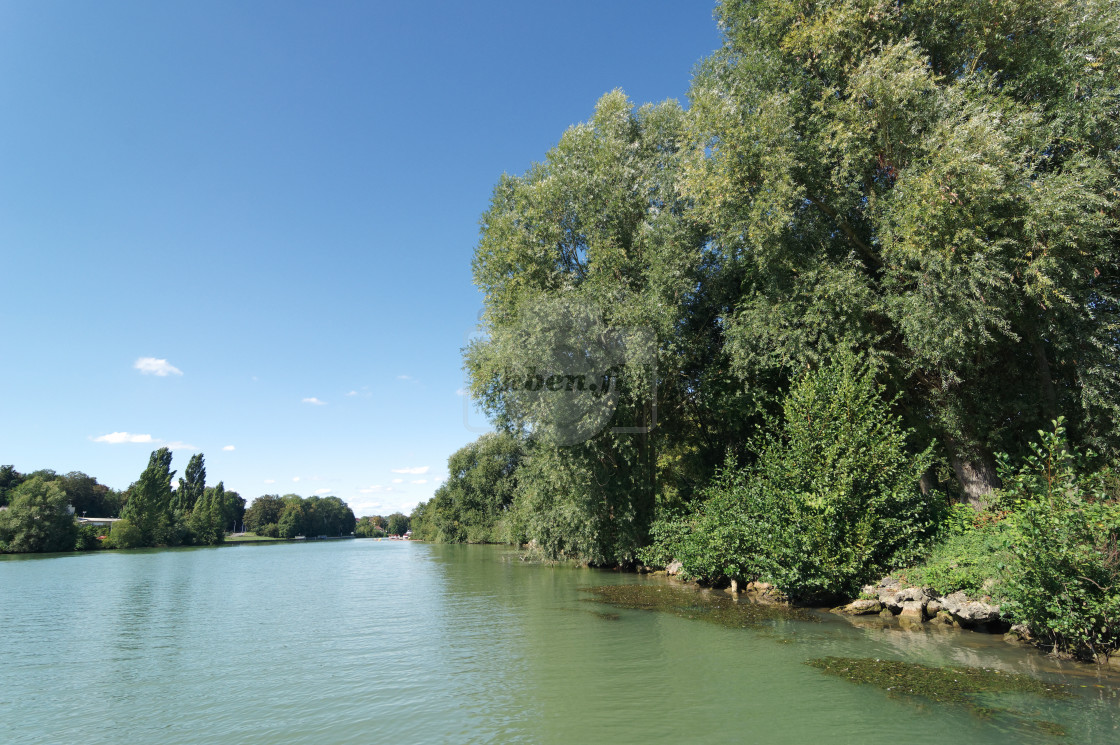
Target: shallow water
(364, 641)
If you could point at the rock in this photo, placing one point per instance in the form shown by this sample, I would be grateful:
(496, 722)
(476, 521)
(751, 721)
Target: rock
(932, 608)
(893, 594)
(913, 611)
(886, 614)
(734, 587)
(674, 568)
(969, 612)
(863, 607)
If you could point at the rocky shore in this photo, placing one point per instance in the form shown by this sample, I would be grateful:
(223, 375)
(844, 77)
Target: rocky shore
(915, 607)
(908, 607)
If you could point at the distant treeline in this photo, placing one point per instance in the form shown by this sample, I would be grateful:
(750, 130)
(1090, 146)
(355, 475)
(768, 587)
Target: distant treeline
(39, 511)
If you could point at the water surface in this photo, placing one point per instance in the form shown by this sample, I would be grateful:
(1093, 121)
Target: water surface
(364, 641)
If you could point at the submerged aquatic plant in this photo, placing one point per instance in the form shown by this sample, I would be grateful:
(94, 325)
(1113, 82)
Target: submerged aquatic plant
(954, 685)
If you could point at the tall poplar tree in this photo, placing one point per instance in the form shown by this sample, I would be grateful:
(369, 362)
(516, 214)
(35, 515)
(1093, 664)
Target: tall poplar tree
(191, 487)
(149, 499)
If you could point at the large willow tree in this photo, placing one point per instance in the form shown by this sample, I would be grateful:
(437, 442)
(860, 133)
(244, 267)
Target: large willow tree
(592, 262)
(930, 182)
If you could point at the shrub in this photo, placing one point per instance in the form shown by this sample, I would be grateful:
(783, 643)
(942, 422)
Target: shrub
(832, 500)
(972, 554)
(1064, 581)
(125, 535)
(87, 538)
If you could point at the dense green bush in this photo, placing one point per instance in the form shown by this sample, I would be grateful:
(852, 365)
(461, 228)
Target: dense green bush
(832, 500)
(1064, 581)
(124, 535)
(87, 538)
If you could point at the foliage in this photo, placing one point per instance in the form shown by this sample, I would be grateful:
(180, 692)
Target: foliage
(399, 523)
(192, 487)
(264, 510)
(473, 505)
(934, 183)
(149, 500)
(1064, 582)
(38, 518)
(10, 478)
(593, 250)
(87, 537)
(125, 535)
(207, 518)
(832, 500)
(973, 553)
(293, 515)
(369, 527)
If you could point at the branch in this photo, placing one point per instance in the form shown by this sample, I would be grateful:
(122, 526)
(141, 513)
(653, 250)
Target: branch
(847, 230)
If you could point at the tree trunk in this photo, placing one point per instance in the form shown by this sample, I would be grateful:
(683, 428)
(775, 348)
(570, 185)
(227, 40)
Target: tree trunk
(976, 473)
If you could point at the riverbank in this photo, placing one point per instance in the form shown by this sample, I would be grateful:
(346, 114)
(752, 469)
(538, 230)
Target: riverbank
(893, 604)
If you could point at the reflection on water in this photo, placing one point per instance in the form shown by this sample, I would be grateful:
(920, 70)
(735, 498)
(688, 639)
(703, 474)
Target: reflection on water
(361, 641)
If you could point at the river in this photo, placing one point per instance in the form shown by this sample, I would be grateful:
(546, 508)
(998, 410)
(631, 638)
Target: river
(364, 641)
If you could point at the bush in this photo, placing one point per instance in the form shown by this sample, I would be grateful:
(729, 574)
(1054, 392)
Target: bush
(972, 554)
(1064, 581)
(87, 538)
(125, 535)
(269, 530)
(832, 501)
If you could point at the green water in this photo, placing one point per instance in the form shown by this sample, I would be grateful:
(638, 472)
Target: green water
(364, 641)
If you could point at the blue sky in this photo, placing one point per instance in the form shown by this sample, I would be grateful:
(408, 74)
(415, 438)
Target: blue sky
(245, 228)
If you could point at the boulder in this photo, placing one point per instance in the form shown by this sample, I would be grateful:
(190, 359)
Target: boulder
(674, 568)
(967, 611)
(932, 608)
(912, 611)
(862, 607)
(893, 594)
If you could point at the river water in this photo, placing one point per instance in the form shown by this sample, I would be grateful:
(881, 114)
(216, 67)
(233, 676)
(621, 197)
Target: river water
(365, 641)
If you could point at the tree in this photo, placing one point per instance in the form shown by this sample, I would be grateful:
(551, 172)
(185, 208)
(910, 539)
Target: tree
(191, 487)
(933, 183)
(10, 478)
(263, 511)
(473, 504)
(149, 500)
(88, 497)
(38, 518)
(595, 274)
(398, 523)
(207, 520)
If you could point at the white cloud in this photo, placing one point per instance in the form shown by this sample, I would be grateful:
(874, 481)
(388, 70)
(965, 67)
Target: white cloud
(116, 438)
(418, 481)
(461, 391)
(229, 448)
(180, 446)
(295, 478)
(322, 491)
(152, 366)
(405, 377)
(398, 481)
(415, 471)
(270, 481)
(352, 393)
(314, 401)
